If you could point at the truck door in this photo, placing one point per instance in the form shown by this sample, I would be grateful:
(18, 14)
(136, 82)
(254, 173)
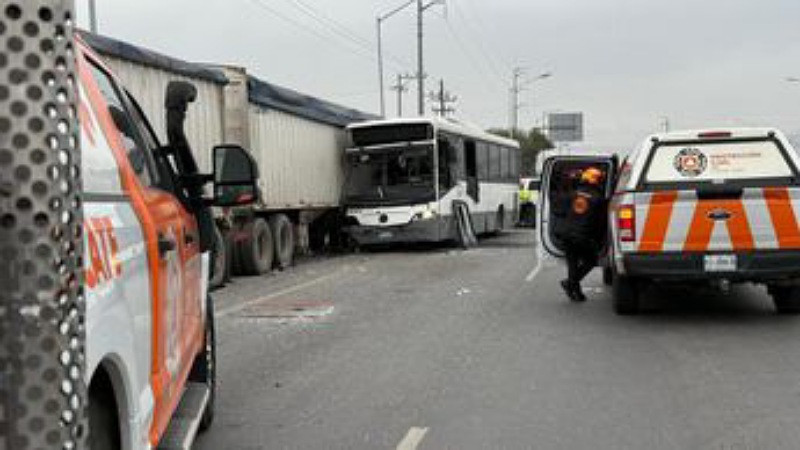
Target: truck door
(171, 235)
(560, 175)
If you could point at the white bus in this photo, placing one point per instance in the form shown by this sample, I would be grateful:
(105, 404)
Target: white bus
(428, 180)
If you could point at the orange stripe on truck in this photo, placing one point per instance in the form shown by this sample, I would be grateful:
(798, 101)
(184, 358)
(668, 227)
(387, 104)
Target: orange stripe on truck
(657, 221)
(782, 215)
(702, 226)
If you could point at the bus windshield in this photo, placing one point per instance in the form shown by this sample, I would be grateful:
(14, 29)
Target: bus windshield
(394, 175)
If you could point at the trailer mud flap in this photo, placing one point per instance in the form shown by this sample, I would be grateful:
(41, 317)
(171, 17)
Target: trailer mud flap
(42, 306)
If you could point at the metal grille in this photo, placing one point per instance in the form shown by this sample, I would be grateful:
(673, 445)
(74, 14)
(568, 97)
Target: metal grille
(42, 309)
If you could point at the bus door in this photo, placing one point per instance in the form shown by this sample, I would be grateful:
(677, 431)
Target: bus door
(560, 176)
(471, 170)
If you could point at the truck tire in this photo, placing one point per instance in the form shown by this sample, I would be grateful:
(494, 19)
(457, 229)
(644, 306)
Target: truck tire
(786, 299)
(283, 234)
(257, 251)
(204, 369)
(104, 425)
(219, 263)
(626, 295)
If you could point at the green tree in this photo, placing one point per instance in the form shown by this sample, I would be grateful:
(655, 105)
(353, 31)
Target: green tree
(530, 142)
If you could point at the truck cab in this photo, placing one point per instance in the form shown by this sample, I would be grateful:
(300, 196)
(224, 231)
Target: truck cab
(150, 342)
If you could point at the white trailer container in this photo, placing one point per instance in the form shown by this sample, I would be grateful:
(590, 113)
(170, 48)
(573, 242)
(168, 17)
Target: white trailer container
(297, 140)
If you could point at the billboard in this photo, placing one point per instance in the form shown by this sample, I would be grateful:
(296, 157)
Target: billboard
(565, 127)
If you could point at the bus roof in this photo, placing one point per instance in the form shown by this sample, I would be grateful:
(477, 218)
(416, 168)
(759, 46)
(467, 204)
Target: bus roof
(449, 125)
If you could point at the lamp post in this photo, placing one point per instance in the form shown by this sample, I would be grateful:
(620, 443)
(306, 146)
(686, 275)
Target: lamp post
(379, 22)
(518, 86)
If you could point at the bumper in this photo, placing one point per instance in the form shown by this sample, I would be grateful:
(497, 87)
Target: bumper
(754, 266)
(421, 231)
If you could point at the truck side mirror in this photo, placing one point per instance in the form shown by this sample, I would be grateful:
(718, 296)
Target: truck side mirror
(235, 175)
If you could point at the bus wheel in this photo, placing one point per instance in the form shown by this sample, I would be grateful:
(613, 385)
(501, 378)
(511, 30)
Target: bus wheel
(500, 223)
(283, 235)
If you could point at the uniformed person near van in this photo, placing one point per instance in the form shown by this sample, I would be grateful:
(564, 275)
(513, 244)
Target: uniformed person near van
(583, 231)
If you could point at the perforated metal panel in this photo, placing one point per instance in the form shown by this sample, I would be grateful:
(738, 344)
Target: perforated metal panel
(42, 330)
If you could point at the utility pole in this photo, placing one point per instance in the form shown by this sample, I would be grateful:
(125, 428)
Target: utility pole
(519, 84)
(401, 89)
(443, 99)
(93, 16)
(516, 88)
(421, 8)
(665, 125)
(379, 20)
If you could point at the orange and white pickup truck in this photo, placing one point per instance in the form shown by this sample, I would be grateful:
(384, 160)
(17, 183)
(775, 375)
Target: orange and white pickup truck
(694, 207)
(150, 349)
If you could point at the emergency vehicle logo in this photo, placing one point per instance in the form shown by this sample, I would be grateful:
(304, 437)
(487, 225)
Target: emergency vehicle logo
(690, 162)
(580, 205)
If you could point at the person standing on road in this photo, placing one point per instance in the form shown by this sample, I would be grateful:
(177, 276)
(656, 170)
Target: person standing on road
(583, 231)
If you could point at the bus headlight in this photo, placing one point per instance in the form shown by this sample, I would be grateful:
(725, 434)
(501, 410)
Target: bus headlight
(424, 215)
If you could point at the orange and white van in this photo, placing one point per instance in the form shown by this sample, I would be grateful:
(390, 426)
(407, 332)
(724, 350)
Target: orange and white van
(150, 324)
(700, 206)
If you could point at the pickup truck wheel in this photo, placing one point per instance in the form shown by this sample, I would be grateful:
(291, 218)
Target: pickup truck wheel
(257, 251)
(283, 233)
(204, 369)
(786, 299)
(220, 260)
(104, 427)
(626, 295)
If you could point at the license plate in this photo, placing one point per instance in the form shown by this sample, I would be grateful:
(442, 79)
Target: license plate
(720, 263)
(385, 235)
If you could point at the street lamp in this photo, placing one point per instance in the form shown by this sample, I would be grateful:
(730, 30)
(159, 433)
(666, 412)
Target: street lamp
(379, 21)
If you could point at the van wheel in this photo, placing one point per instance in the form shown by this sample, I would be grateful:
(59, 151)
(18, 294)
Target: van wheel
(626, 295)
(786, 299)
(220, 262)
(204, 369)
(257, 251)
(283, 233)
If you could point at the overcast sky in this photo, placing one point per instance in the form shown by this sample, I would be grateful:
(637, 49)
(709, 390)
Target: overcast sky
(627, 64)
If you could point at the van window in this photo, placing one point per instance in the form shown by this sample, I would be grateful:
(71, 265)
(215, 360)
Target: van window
(717, 162)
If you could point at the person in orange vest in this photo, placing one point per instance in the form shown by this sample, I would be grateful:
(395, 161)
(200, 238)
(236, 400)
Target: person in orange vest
(583, 231)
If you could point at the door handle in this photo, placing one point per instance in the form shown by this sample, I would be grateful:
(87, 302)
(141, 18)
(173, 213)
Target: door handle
(165, 245)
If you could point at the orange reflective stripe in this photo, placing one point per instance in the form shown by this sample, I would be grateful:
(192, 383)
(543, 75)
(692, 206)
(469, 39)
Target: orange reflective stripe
(700, 229)
(782, 215)
(741, 237)
(657, 222)
(738, 226)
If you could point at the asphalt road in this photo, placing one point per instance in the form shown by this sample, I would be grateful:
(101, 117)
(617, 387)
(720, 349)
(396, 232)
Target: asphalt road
(445, 349)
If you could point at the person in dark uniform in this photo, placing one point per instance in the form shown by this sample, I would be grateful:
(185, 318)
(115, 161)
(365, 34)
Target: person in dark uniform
(583, 231)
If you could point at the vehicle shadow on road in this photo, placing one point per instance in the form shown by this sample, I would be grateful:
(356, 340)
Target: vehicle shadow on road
(744, 303)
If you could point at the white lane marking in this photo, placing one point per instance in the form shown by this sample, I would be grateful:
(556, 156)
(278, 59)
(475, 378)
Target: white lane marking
(535, 271)
(298, 287)
(412, 439)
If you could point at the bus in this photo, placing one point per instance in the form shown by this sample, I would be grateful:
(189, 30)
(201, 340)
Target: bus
(428, 180)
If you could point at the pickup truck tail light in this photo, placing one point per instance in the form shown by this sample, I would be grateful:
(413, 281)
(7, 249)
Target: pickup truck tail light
(626, 223)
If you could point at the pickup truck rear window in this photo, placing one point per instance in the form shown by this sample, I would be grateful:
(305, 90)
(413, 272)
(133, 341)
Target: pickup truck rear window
(698, 162)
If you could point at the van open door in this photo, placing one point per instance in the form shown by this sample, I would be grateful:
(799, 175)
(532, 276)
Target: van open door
(560, 176)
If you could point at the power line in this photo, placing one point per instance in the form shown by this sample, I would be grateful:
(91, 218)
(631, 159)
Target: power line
(283, 16)
(338, 28)
(477, 19)
(480, 68)
(488, 55)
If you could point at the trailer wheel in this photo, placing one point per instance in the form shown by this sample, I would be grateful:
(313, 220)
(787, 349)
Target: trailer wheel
(283, 233)
(257, 251)
(786, 299)
(220, 261)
